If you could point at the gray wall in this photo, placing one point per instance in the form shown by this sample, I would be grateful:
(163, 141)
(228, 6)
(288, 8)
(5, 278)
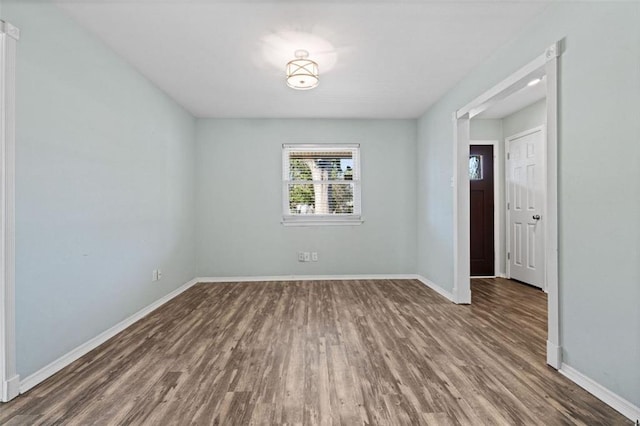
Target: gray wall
(239, 187)
(486, 129)
(105, 188)
(599, 181)
(527, 118)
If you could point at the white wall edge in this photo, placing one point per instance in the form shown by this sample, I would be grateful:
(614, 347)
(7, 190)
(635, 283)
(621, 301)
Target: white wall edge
(441, 291)
(57, 365)
(9, 35)
(614, 400)
(307, 278)
(554, 355)
(11, 388)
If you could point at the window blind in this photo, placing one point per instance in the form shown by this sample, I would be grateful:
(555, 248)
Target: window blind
(321, 181)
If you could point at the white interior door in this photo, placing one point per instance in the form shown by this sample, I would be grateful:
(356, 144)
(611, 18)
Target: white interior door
(525, 203)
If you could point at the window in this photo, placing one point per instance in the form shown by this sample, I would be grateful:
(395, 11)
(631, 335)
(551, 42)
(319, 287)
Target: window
(475, 167)
(321, 184)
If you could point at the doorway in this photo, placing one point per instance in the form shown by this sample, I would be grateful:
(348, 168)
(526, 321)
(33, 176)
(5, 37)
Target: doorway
(545, 65)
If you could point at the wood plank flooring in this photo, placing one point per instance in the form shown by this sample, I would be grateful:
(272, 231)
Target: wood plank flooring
(387, 352)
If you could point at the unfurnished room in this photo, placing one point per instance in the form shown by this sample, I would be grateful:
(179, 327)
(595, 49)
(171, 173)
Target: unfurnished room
(265, 212)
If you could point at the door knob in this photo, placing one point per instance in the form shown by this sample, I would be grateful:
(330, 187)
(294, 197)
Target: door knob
(536, 217)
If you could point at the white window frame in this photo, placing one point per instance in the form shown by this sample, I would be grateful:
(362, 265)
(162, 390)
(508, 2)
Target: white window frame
(313, 219)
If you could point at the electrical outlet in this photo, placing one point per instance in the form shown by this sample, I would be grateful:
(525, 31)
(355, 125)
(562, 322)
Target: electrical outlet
(307, 256)
(314, 256)
(300, 256)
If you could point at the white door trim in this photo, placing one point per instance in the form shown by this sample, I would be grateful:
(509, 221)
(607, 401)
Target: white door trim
(545, 64)
(507, 145)
(9, 378)
(497, 232)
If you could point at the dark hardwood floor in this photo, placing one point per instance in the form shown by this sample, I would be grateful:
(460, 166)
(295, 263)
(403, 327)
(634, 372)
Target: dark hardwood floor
(389, 352)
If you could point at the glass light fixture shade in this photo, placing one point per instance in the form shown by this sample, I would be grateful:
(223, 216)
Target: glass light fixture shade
(302, 73)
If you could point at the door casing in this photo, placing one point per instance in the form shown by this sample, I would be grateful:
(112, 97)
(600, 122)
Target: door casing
(9, 379)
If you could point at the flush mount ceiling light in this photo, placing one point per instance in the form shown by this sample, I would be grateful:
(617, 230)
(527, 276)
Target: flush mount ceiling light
(302, 73)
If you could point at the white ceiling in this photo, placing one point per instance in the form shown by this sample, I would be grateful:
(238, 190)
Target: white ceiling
(377, 59)
(517, 101)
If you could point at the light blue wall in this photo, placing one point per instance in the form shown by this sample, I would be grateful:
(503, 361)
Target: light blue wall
(239, 186)
(105, 187)
(599, 178)
(485, 129)
(526, 119)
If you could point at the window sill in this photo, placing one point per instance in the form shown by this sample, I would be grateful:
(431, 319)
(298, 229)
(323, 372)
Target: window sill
(322, 221)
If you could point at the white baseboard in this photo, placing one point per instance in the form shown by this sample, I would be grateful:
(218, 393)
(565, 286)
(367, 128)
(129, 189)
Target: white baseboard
(57, 365)
(554, 355)
(49, 370)
(10, 388)
(420, 278)
(441, 291)
(307, 278)
(14, 385)
(615, 401)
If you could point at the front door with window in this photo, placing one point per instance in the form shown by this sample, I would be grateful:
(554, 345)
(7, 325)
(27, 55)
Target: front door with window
(481, 204)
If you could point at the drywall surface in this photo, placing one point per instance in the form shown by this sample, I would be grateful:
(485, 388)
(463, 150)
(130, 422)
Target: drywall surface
(104, 187)
(599, 181)
(526, 119)
(239, 186)
(485, 129)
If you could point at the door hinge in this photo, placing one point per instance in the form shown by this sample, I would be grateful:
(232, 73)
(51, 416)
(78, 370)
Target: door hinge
(508, 155)
(508, 256)
(508, 206)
